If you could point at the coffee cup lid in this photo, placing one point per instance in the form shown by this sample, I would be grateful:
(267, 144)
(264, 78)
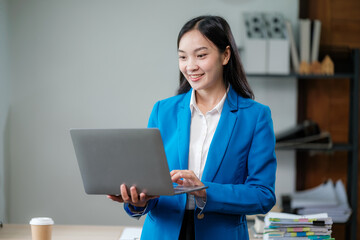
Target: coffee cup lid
(41, 221)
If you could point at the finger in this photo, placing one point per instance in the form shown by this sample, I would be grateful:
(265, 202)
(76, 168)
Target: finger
(124, 193)
(143, 197)
(177, 179)
(183, 177)
(190, 179)
(111, 197)
(173, 172)
(115, 198)
(189, 175)
(134, 195)
(180, 182)
(176, 176)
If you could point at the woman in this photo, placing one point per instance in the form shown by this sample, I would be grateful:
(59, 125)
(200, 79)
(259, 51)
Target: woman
(215, 135)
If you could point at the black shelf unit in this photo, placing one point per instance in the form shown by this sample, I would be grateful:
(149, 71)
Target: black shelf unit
(298, 76)
(353, 139)
(337, 147)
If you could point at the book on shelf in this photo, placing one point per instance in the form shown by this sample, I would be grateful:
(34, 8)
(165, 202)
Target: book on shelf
(293, 48)
(305, 40)
(309, 44)
(315, 40)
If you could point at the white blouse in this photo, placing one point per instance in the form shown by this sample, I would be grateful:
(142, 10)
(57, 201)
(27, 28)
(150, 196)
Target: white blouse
(201, 134)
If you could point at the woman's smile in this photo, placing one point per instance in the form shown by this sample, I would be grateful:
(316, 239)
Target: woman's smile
(195, 77)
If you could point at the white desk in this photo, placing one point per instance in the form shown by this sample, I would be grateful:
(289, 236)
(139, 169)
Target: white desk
(64, 232)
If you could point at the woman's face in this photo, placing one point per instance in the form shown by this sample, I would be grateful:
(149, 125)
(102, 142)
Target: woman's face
(201, 62)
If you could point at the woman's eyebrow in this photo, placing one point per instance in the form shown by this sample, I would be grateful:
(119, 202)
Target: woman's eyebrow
(196, 50)
(200, 48)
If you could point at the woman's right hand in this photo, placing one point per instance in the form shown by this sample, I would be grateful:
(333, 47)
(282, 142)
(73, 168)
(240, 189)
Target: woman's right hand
(135, 199)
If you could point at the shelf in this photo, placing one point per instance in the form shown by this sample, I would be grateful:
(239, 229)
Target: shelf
(352, 147)
(339, 147)
(299, 76)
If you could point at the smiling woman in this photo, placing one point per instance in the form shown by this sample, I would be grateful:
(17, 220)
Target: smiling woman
(214, 134)
(202, 65)
(218, 35)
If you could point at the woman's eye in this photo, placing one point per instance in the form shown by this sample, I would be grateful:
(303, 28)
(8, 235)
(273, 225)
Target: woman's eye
(201, 55)
(182, 57)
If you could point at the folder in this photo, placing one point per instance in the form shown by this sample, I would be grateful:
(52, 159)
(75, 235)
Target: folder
(315, 43)
(305, 40)
(293, 47)
(304, 129)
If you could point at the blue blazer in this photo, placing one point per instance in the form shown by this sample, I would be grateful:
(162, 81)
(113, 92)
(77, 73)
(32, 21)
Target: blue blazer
(240, 169)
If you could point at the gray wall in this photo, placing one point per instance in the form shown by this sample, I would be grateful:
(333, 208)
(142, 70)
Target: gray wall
(102, 64)
(4, 106)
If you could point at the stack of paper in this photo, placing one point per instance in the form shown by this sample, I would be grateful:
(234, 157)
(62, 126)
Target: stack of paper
(131, 233)
(322, 195)
(324, 198)
(285, 226)
(256, 230)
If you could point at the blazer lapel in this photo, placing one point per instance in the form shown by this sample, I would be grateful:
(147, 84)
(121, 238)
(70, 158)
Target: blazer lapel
(184, 121)
(221, 137)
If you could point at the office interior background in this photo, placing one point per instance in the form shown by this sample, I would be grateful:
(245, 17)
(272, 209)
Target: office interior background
(101, 64)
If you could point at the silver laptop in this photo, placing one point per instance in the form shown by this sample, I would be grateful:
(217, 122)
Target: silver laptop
(108, 158)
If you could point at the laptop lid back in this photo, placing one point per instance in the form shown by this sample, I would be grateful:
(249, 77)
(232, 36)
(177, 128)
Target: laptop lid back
(108, 158)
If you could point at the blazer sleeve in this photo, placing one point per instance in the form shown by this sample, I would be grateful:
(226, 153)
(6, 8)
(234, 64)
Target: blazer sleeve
(257, 194)
(137, 212)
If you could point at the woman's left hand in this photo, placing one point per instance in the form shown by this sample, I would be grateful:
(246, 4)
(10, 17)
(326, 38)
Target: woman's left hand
(188, 178)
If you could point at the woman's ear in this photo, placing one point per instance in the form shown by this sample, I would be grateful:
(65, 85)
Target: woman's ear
(226, 55)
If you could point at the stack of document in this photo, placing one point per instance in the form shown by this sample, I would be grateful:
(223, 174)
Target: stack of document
(131, 233)
(327, 197)
(256, 230)
(285, 226)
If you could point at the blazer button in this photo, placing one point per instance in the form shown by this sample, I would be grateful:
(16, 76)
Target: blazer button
(200, 216)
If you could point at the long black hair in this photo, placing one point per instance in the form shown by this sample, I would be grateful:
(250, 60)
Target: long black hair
(218, 31)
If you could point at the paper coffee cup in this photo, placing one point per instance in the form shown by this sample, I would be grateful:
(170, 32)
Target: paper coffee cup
(41, 228)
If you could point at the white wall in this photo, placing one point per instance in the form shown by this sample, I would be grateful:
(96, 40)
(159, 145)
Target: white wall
(102, 64)
(4, 106)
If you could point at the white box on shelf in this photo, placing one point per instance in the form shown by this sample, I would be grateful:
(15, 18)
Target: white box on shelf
(254, 55)
(278, 55)
(266, 44)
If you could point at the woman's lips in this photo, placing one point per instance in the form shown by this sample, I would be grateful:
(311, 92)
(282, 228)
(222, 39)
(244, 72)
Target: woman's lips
(195, 77)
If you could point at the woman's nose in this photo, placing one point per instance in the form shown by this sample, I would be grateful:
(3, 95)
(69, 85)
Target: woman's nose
(191, 66)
